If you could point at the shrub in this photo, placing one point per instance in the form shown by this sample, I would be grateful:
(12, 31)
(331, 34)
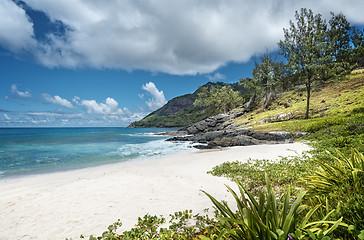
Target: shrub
(285, 171)
(342, 182)
(269, 218)
(179, 228)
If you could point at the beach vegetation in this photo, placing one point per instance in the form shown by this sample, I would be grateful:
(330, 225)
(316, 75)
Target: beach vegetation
(283, 172)
(266, 217)
(182, 225)
(342, 182)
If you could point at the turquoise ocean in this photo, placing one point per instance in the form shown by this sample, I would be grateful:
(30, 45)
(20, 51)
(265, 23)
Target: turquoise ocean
(25, 151)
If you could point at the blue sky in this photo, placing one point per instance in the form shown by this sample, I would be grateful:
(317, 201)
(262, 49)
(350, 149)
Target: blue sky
(94, 63)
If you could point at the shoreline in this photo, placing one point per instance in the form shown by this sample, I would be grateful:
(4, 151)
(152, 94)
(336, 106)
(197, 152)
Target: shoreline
(67, 204)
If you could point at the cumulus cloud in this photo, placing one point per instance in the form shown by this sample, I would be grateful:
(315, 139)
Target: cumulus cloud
(17, 93)
(216, 77)
(109, 107)
(29, 118)
(102, 114)
(16, 31)
(186, 37)
(157, 99)
(6, 117)
(57, 100)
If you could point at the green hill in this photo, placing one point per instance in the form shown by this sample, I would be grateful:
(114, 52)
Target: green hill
(337, 100)
(180, 111)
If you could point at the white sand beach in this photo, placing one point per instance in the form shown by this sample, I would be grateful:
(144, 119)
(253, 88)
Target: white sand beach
(86, 201)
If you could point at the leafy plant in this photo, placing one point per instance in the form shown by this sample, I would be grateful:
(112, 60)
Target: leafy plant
(329, 176)
(269, 218)
(183, 225)
(343, 184)
(283, 172)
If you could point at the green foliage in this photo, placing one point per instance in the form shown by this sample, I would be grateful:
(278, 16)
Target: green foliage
(323, 123)
(180, 228)
(269, 77)
(358, 51)
(340, 37)
(342, 182)
(338, 132)
(283, 172)
(306, 48)
(220, 100)
(265, 217)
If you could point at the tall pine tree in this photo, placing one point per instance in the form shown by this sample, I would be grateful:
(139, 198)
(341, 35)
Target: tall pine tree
(306, 48)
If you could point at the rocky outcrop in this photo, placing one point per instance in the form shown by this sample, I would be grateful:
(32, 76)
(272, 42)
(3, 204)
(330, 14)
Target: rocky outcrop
(218, 131)
(233, 137)
(215, 123)
(281, 117)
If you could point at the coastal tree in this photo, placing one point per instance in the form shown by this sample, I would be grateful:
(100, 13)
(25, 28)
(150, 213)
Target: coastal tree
(269, 77)
(285, 76)
(254, 91)
(263, 73)
(357, 38)
(220, 99)
(339, 35)
(306, 48)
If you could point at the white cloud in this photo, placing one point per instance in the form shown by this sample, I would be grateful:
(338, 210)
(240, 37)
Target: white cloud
(16, 31)
(20, 94)
(6, 117)
(186, 37)
(157, 99)
(216, 77)
(60, 118)
(109, 107)
(57, 100)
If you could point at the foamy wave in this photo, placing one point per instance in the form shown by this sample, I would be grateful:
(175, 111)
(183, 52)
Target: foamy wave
(153, 148)
(147, 134)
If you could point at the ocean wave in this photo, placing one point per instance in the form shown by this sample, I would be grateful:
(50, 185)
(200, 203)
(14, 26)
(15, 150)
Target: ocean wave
(152, 148)
(147, 134)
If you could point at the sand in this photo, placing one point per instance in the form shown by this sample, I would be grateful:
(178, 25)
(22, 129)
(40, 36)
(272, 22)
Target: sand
(86, 201)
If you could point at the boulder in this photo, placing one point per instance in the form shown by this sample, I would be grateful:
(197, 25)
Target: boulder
(217, 131)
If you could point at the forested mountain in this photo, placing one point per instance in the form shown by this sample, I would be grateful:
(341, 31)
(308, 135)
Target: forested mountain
(181, 111)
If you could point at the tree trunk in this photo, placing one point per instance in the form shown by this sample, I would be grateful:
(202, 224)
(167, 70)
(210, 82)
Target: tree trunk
(308, 89)
(250, 104)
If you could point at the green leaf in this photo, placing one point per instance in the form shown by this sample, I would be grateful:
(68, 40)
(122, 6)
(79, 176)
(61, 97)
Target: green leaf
(311, 234)
(333, 227)
(361, 235)
(280, 232)
(204, 237)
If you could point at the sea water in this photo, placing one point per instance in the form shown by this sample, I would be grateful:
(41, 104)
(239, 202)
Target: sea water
(38, 150)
